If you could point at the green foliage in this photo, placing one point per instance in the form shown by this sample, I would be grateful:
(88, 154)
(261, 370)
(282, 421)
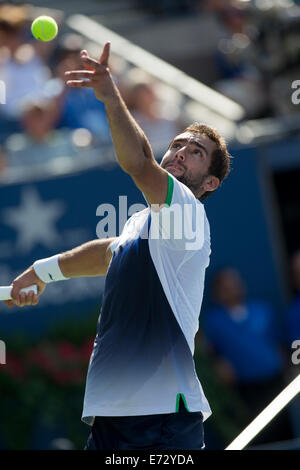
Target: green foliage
(43, 383)
(228, 411)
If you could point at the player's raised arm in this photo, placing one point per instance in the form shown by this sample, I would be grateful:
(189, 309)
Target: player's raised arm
(132, 147)
(90, 259)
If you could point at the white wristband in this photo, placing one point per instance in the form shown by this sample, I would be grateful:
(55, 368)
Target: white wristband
(48, 269)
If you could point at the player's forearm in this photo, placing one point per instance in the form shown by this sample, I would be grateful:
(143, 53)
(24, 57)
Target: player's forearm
(131, 145)
(90, 259)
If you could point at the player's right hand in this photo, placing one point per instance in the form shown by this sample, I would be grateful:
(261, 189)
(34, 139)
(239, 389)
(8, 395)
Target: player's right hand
(26, 279)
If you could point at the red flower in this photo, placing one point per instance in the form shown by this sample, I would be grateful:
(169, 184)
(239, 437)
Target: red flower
(67, 351)
(42, 357)
(87, 349)
(62, 362)
(15, 367)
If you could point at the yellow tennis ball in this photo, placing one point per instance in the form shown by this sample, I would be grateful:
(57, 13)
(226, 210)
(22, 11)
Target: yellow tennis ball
(44, 28)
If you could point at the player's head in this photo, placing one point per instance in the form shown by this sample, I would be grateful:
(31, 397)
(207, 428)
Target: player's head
(198, 158)
(228, 287)
(37, 118)
(12, 25)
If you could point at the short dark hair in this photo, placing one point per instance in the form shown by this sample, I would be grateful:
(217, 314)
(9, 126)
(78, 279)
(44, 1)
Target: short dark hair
(220, 159)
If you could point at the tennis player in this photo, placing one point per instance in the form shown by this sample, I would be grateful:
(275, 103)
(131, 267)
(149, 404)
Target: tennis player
(142, 391)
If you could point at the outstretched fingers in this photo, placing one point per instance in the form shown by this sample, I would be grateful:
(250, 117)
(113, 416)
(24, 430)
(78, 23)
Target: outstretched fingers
(93, 69)
(105, 55)
(79, 83)
(72, 74)
(98, 65)
(80, 77)
(92, 64)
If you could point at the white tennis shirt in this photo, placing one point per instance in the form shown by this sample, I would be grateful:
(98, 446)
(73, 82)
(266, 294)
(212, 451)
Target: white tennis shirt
(142, 361)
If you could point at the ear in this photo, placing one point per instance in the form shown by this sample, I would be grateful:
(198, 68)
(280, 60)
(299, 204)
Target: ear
(211, 183)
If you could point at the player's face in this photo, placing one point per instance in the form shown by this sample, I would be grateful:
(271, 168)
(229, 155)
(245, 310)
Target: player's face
(188, 159)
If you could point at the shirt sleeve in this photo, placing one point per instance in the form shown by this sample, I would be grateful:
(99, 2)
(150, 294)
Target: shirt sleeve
(119, 239)
(131, 229)
(114, 244)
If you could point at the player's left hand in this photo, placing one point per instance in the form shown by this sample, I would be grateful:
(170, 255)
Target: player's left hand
(96, 75)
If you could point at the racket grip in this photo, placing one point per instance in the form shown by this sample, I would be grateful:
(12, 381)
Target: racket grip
(5, 291)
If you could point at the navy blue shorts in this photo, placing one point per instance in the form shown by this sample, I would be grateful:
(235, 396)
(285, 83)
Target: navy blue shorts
(178, 431)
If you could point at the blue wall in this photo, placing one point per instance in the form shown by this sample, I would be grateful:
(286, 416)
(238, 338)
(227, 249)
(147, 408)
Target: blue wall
(39, 219)
(240, 235)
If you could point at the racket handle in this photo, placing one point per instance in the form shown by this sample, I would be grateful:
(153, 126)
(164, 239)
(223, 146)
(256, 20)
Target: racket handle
(5, 291)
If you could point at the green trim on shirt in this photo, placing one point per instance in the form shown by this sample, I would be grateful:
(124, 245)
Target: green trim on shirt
(170, 190)
(177, 402)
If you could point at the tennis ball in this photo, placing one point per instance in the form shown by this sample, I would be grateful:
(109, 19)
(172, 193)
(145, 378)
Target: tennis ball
(44, 28)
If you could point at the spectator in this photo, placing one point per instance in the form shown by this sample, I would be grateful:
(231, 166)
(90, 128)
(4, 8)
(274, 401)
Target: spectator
(236, 55)
(144, 104)
(21, 69)
(244, 337)
(78, 107)
(40, 142)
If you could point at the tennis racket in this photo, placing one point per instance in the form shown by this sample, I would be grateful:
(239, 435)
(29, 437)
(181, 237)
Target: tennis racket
(5, 291)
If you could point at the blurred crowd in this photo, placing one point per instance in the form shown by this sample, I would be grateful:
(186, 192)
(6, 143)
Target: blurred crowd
(43, 119)
(253, 347)
(257, 53)
(257, 56)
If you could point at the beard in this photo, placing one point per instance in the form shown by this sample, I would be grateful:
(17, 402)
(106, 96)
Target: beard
(194, 184)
